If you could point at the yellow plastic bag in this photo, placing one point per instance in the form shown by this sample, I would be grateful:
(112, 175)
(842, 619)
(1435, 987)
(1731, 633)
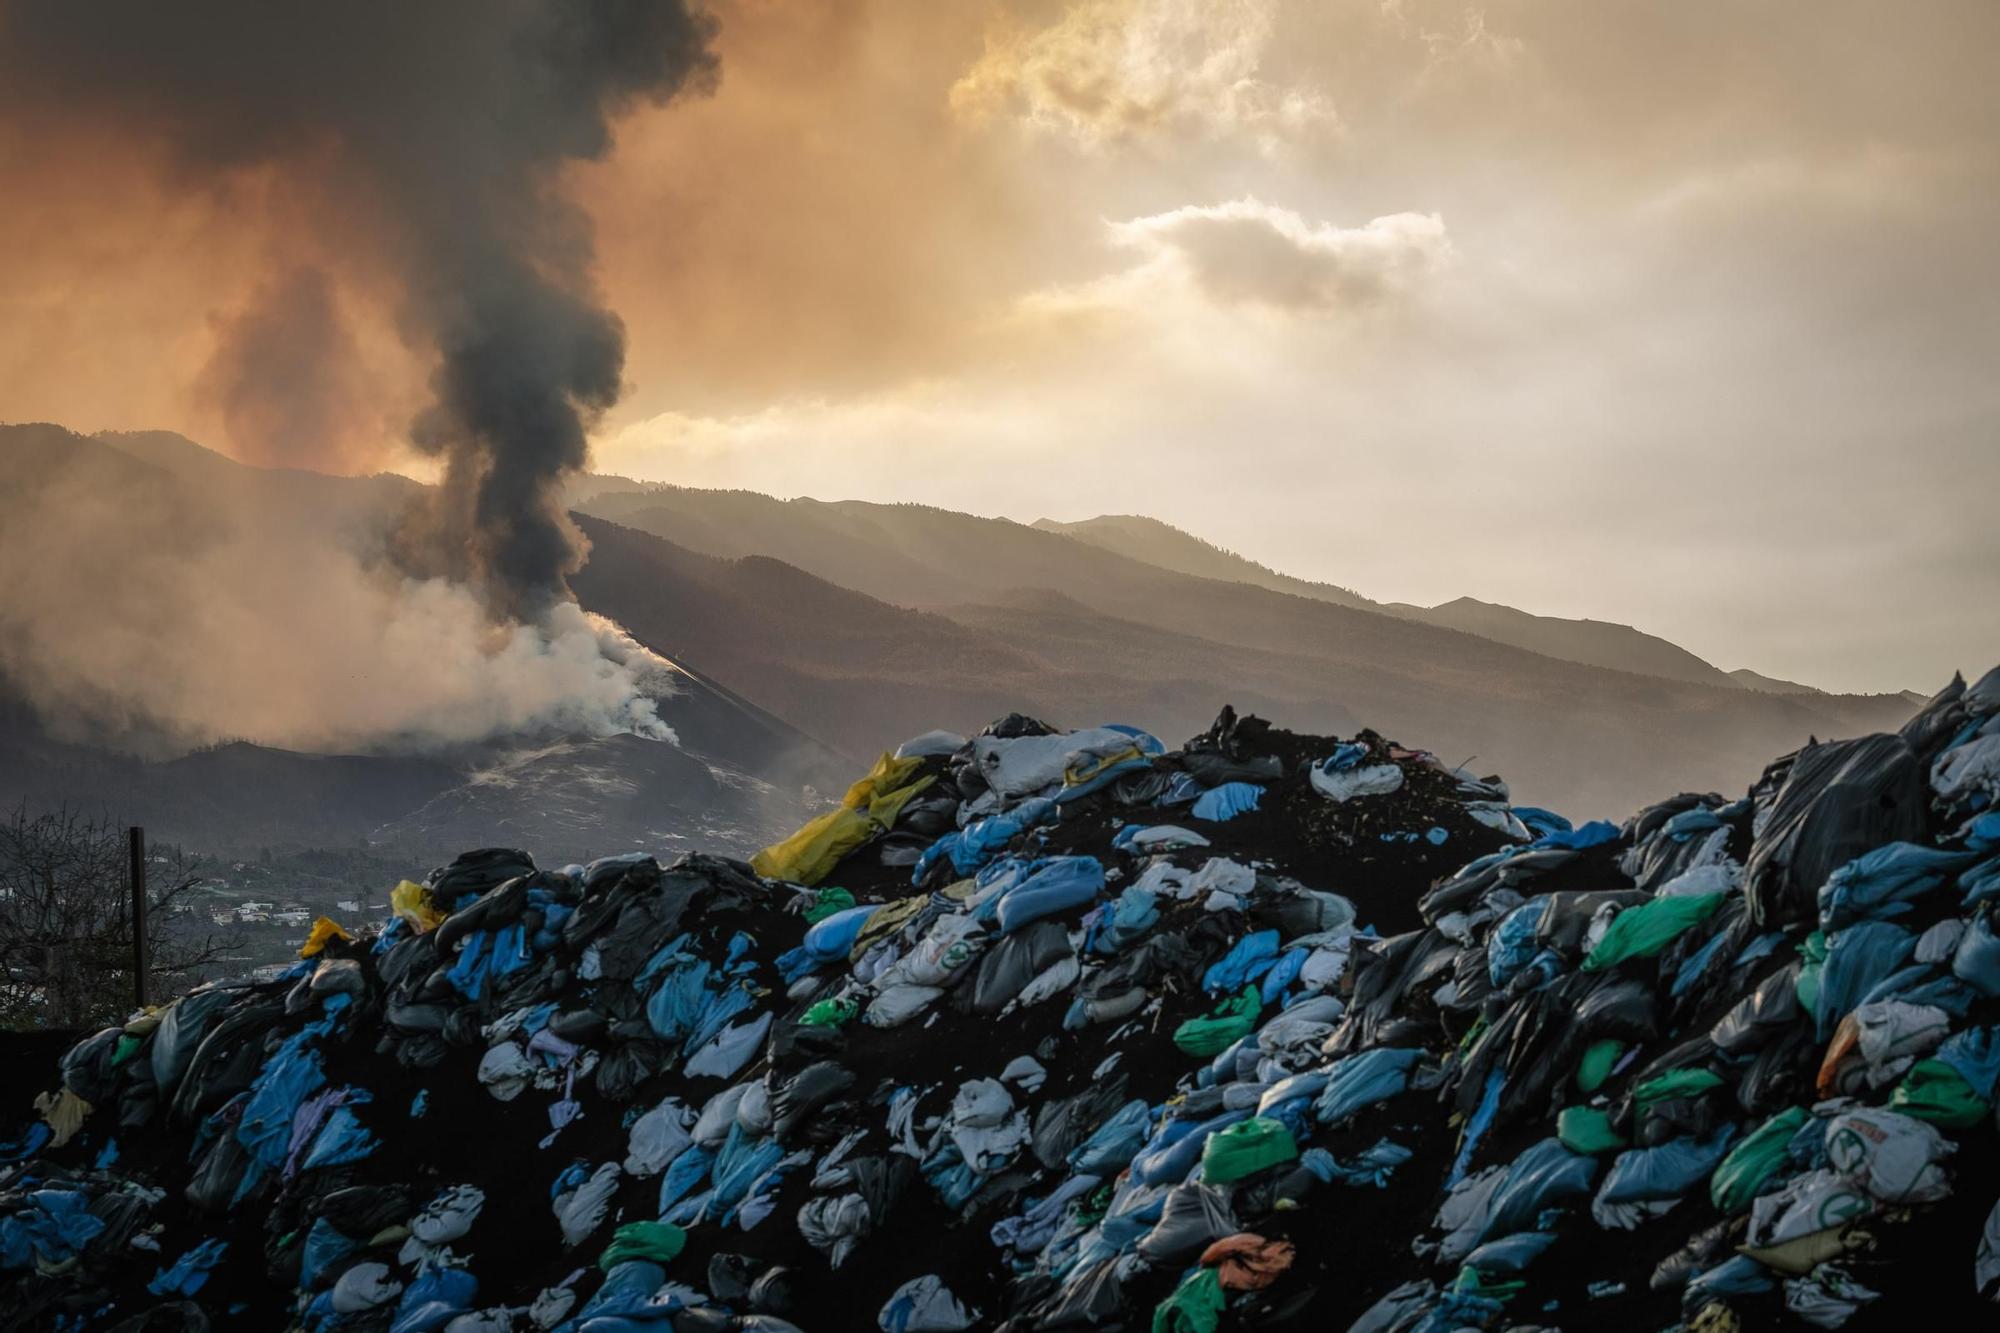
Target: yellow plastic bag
(65, 1113)
(1087, 770)
(885, 921)
(870, 806)
(324, 931)
(412, 902)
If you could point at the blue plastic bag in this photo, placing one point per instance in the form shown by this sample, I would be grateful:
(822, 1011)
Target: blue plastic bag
(1593, 834)
(1284, 971)
(1360, 1081)
(1975, 1054)
(1248, 959)
(1224, 803)
(1052, 885)
(1370, 1167)
(1669, 1171)
(1856, 959)
(433, 1298)
(833, 937)
(1513, 943)
(1113, 1144)
(1544, 1175)
(189, 1273)
(342, 1139)
(1510, 1254)
(325, 1246)
(1177, 1147)
(971, 848)
(1977, 961)
(1885, 882)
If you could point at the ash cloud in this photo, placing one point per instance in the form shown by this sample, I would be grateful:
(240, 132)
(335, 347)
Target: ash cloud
(432, 137)
(288, 380)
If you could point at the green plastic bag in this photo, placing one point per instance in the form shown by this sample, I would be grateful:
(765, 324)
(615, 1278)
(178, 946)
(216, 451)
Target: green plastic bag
(1472, 1035)
(1641, 932)
(1495, 1288)
(1936, 1092)
(1813, 949)
(656, 1242)
(1587, 1130)
(1675, 1083)
(1755, 1162)
(1599, 1059)
(1219, 1029)
(1244, 1148)
(1195, 1307)
(836, 1013)
(826, 902)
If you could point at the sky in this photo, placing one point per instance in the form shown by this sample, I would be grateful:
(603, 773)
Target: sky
(1680, 315)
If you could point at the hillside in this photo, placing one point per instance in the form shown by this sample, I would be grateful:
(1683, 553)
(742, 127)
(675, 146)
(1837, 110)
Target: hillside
(1591, 642)
(1753, 680)
(912, 555)
(1135, 642)
(1169, 547)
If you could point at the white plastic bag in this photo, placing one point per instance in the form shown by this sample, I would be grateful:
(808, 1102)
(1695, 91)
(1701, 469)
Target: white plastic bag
(1894, 1157)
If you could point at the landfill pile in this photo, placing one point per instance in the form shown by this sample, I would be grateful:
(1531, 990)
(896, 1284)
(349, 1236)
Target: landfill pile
(1047, 1030)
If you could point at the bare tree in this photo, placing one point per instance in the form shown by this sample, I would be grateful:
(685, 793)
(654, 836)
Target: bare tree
(66, 925)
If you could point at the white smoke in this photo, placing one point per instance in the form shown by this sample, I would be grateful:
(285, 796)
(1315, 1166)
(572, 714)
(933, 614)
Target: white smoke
(252, 608)
(439, 672)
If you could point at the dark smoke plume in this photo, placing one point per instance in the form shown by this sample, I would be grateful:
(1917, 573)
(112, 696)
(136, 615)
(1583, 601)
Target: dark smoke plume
(431, 135)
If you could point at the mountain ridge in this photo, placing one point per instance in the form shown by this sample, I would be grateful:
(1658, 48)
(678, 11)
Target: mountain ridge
(870, 620)
(1610, 644)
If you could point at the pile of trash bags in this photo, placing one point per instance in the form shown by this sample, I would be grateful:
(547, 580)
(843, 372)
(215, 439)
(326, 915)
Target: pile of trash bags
(1046, 1029)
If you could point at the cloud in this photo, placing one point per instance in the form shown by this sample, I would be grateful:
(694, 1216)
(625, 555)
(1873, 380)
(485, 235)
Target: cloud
(1249, 252)
(1204, 261)
(1116, 71)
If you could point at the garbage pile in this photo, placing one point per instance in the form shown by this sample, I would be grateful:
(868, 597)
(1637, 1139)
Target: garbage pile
(1046, 1029)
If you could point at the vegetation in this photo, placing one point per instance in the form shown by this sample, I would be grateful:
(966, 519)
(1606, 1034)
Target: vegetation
(66, 922)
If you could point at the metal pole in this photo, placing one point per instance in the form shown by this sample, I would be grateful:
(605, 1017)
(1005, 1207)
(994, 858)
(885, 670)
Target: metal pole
(139, 960)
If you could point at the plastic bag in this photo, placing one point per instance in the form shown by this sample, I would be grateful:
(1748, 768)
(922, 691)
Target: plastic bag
(1544, 1175)
(1244, 1149)
(1223, 1026)
(1753, 1164)
(1587, 1130)
(925, 1305)
(1936, 1092)
(412, 902)
(1895, 1158)
(1358, 1081)
(1641, 932)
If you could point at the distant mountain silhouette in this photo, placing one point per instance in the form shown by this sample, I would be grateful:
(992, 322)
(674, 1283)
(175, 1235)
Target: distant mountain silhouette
(1754, 680)
(1591, 642)
(1169, 547)
(1086, 634)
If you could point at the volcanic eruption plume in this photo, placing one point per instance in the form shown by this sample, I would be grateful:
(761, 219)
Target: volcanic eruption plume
(431, 139)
